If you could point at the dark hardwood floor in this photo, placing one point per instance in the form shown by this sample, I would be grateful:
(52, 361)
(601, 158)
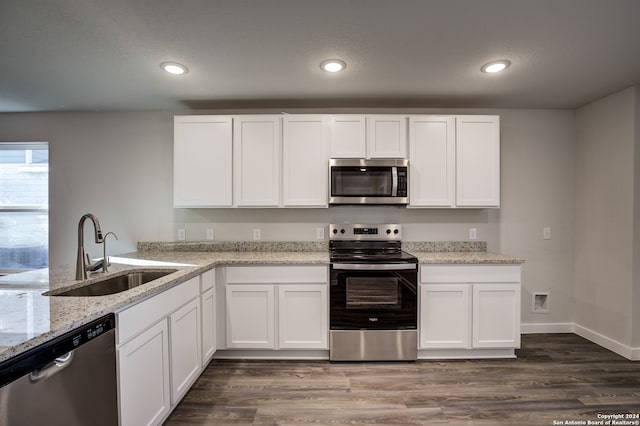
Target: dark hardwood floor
(556, 377)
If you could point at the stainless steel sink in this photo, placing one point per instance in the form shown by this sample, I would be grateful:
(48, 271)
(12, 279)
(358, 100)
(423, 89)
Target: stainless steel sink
(114, 284)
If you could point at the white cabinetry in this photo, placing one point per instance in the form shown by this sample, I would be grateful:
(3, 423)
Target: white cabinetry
(348, 136)
(432, 159)
(478, 161)
(256, 161)
(208, 304)
(250, 316)
(305, 160)
(302, 316)
(496, 315)
(158, 346)
(370, 136)
(202, 146)
(184, 344)
(386, 136)
(445, 316)
(469, 311)
(143, 369)
(276, 307)
(454, 161)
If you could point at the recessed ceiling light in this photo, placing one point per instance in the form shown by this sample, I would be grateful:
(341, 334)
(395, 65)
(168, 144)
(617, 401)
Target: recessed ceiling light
(496, 66)
(333, 65)
(174, 68)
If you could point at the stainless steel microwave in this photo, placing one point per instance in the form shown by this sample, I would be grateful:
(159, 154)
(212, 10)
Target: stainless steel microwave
(360, 181)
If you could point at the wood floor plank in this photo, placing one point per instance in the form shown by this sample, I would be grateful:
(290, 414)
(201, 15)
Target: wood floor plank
(555, 378)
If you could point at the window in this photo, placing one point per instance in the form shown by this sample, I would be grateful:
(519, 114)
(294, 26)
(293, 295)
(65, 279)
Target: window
(24, 206)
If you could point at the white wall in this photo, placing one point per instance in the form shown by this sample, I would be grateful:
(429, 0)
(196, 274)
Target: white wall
(119, 166)
(604, 227)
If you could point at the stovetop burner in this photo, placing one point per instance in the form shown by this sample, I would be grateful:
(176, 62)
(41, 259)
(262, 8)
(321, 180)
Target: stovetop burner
(353, 243)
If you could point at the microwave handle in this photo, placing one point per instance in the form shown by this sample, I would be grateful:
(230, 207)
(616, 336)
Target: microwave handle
(394, 181)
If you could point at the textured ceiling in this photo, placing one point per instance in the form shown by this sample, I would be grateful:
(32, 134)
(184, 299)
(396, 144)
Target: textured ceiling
(105, 55)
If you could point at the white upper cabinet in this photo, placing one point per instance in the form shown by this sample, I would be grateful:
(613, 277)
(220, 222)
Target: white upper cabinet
(478, 161)
(432, 161)
(370, 136)
(305, 160)
(256, 160)
(202, 147)
(386, 136)
(348, 136)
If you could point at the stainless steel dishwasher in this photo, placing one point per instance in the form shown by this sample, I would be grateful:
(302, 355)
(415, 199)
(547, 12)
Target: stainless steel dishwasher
(70, 380)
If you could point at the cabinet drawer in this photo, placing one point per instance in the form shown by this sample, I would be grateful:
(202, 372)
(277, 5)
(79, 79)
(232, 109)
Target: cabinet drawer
(469, 273)
(207, 280)
(277, 274)
(133, 320)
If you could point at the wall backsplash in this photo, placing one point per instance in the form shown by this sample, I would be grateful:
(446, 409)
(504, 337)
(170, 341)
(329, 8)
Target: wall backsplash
(302, 224)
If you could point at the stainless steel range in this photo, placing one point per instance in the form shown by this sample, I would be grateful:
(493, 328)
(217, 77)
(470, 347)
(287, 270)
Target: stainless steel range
(373, 294)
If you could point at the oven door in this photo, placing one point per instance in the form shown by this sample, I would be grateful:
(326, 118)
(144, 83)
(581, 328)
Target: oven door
(373, 296)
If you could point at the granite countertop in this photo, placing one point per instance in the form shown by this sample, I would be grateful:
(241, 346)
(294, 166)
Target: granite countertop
(28, 318)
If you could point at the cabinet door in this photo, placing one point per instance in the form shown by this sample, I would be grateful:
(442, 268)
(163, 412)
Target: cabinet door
(386, 136)
(445, 316)
(202, 146)
(305, 160)
(478, 161)
(250, 316)
(143, 369)
(496, 315)
(432, 158)
(348, 136)
(185, 347)
(256, 161)
(302, 316)
(208, 303)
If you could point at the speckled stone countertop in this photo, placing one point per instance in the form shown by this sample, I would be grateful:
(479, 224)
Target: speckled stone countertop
(28, 318)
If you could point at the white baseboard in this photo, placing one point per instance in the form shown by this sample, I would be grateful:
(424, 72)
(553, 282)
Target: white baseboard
(628, 352)
(558, 327)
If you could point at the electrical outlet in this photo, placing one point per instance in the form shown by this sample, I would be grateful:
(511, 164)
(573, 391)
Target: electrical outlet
(320, 233)
(546, 233)
(210, 234)
(182, 235)
(257, 235)
(473, 233)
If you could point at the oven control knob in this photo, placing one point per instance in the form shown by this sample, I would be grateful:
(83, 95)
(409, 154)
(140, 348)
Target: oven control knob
(388, 231)
(395, 231)
(342, 231)
(335, 231)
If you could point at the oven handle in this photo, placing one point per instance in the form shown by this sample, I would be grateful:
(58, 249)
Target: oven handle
(374, 266)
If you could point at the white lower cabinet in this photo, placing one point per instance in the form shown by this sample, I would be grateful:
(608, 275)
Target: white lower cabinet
(250, 316)
(445, 316)
(143, 365)
(158, 347)
(277, 307)
(208, 305)
(184, 344)
(208, 302)
(302, 316)
(496, 315)
(469, 310)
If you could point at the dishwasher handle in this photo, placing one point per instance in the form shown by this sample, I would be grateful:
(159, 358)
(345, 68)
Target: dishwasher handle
(52, 368)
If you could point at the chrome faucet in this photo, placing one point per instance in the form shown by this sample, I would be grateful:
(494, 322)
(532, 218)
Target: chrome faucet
(105, 259)
(83, 266)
